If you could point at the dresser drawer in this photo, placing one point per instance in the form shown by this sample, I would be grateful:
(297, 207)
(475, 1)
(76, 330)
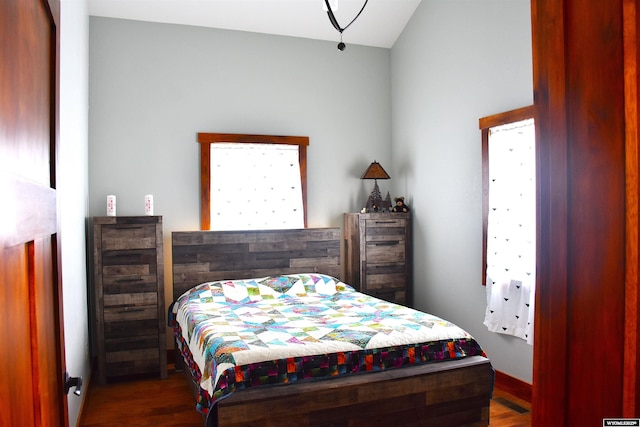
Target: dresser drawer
(142, 312)
(385, 223)
(129, 262)
(122, 344)
(130, 328)
(129, 362)
(129, 300)
(128, 236)
(385, 252)
(122, 284)
(386, 275)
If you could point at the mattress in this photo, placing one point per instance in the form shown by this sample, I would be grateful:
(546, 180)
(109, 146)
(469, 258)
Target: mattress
(238, 334)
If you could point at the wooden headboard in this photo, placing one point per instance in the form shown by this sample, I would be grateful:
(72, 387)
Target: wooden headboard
(204, 256)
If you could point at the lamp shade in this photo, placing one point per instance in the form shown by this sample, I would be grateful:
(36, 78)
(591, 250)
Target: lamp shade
(375, 171)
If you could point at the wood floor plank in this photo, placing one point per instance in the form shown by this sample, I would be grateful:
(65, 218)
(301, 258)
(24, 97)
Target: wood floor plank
(143, 402)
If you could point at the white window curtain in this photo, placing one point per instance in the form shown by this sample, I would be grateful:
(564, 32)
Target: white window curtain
(511, 244)
(255, 187)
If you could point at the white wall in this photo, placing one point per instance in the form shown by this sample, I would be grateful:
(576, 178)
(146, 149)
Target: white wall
(457, 61)
(73, 188)
(153, 87)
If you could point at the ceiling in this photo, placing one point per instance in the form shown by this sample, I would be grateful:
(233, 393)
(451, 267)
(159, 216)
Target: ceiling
(380, 24)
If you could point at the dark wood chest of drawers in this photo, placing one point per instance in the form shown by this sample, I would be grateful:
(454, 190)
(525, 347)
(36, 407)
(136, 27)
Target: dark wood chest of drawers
(378, 255)
(129, 296)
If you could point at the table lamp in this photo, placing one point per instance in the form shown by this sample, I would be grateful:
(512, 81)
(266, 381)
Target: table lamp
(375, 171)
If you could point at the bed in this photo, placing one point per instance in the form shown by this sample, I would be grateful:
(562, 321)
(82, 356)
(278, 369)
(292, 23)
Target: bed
(363, 380)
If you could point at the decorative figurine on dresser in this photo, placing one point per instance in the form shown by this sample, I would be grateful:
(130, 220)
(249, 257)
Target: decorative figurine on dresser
(128, 272)
(378, 255)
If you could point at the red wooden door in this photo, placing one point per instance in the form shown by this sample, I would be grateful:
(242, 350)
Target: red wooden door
(32, 357)
(585, 63)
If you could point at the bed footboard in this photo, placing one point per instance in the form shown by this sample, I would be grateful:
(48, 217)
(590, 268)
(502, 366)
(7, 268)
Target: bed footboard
(452, 393)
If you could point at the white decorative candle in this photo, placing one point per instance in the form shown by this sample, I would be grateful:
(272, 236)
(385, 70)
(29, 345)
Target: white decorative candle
(111, 205)
(148, 204)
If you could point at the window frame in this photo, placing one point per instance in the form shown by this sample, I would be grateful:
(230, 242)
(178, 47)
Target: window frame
(206, 139)
(485, 124)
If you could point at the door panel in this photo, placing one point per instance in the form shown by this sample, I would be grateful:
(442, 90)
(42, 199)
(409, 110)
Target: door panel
(15, 366)
(32, 366)
(45, 300)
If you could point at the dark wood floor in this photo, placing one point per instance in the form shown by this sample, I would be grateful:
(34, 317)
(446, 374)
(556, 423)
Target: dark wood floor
(154, 402)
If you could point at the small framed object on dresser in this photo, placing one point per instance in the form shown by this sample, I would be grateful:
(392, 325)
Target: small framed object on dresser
(128, 273)
(378, 256)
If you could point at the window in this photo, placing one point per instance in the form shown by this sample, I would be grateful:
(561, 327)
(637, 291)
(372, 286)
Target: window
(252, 181)
(509, 221)
(489, 125)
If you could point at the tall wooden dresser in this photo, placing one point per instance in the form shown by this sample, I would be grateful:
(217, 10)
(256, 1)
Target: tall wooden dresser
(129, 296)
(378, 257)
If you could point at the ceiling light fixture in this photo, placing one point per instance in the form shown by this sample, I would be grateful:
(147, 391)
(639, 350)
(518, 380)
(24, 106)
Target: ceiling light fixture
(334, 21)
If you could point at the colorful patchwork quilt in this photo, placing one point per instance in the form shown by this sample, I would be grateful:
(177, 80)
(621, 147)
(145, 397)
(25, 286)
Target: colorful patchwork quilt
(245, 333)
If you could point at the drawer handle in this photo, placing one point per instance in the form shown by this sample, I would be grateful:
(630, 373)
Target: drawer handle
(388, 243)
(387, 222)
(133, 309)
(129, 279)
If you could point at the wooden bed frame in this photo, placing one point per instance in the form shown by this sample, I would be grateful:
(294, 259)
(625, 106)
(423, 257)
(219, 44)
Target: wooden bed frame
(452, 393)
